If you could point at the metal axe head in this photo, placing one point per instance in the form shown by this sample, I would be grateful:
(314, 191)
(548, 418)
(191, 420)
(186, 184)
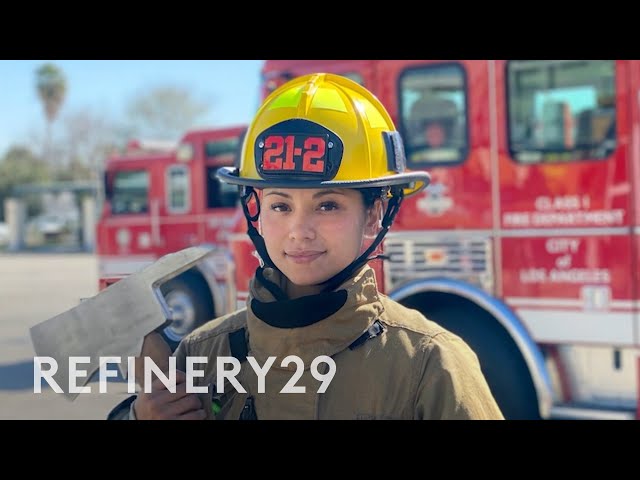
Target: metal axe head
(114, 322)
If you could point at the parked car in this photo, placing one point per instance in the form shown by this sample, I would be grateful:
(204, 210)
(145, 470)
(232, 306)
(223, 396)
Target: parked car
(50, 224)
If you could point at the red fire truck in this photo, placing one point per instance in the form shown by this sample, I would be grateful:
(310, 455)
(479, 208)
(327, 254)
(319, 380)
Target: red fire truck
(159, 201)
(526, 241)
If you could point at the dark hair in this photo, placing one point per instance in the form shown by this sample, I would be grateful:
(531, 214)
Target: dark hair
(370, 195)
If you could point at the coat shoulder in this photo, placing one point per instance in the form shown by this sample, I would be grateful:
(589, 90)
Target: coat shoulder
(218, 327)
(409, 319)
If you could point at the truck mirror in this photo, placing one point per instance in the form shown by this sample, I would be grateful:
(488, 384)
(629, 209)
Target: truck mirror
(108, 185)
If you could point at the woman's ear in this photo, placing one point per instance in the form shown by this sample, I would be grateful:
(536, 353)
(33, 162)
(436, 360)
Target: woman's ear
(374, 219)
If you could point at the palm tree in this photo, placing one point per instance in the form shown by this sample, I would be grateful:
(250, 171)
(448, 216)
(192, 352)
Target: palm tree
(51, 85)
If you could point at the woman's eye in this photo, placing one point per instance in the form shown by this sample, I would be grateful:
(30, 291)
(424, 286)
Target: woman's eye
(328, 206)
(279, 207)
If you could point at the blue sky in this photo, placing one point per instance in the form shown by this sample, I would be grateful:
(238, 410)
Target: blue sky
(229, 86)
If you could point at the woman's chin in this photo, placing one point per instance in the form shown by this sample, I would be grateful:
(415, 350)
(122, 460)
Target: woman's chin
(306, 280)
(307, 277)
(308, 274)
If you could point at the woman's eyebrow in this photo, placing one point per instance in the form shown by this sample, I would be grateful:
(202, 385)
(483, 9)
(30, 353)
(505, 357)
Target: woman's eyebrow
(327, 192)
(276, 192)
(321, 193)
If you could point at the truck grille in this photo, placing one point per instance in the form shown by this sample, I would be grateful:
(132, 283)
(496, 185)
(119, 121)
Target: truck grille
(423, 255)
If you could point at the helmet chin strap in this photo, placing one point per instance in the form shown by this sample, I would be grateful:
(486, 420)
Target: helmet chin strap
(332, 283)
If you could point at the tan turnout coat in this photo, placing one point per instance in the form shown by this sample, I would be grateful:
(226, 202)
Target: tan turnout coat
(413, 369)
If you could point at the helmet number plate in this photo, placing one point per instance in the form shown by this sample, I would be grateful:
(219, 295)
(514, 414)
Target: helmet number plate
(282, 153)
(298, 153)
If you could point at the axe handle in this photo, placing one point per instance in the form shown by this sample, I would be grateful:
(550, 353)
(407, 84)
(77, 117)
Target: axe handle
(155, 347)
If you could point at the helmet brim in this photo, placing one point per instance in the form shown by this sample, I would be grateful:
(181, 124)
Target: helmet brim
(412, 182)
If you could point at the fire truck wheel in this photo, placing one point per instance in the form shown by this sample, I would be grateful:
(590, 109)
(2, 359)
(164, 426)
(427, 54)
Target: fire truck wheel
(191, 303)
(502, 363)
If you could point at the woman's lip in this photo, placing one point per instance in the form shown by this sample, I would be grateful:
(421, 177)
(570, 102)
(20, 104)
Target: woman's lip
(303, 257)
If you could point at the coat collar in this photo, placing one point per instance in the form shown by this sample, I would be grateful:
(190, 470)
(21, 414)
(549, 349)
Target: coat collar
(286, 327)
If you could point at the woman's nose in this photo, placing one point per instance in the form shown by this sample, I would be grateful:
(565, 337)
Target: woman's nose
(301, 228)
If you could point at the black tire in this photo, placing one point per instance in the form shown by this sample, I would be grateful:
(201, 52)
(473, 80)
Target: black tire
(191, 302)
(500, 359)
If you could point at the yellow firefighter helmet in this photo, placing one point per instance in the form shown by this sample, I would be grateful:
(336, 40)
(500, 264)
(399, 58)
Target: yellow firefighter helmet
(323, 130)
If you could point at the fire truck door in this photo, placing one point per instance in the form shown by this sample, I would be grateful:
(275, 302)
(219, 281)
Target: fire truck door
(565, 198)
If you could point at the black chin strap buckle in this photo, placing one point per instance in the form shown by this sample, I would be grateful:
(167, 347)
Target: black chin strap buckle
(258, 242)
(245, 197)
(372, 332)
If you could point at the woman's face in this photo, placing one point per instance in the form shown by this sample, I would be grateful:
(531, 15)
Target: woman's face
(312, 234)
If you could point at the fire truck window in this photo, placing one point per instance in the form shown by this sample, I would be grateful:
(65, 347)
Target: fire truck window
(221, 147)
(433, 115)
(178, 189)
(130, 192)
(220, 195)
(561, 110)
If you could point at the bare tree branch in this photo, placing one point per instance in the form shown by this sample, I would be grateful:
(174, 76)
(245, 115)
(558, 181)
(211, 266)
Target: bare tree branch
(165, 112)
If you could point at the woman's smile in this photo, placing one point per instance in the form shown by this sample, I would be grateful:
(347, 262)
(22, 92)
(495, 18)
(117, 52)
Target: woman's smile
(303, 256)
